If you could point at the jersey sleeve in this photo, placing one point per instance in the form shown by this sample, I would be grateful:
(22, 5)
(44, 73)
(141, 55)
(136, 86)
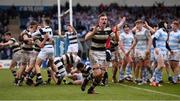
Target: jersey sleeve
(12, 40)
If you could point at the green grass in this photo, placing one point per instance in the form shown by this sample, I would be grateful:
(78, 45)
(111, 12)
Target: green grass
(71, 92)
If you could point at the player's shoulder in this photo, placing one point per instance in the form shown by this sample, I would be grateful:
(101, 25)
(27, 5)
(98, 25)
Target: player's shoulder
(57, 58)
(159, 31)
(146, 30)
(13, 39)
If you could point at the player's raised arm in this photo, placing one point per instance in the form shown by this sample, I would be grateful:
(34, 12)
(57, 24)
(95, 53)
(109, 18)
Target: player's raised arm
(90, 34)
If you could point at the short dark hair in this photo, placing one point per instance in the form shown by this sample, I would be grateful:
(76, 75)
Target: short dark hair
(161, 24)
(47, 21)
(8, 33)
(139, 21)
(33, 23)
(80, 65)
(125, 26)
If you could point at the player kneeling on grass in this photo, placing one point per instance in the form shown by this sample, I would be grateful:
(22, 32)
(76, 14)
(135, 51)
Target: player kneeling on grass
(95, 74)
(64, 64)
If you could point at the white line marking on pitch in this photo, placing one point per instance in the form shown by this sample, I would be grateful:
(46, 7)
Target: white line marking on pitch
(153, 91)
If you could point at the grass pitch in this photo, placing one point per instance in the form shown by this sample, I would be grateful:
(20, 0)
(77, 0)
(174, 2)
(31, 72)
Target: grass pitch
(124, 91)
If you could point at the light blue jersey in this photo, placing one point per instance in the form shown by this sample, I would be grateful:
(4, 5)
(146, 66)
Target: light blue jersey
(142, 39)
(174, 41)
(161, 37)
(127, 40)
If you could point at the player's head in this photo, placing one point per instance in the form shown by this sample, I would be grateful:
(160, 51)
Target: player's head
(47, 22)
(80, 66)
(155, 27)
(162, 24)
(139, 24)
(175, 25)
(126, 28)
(33, 26)
(69, 28)
(102, 20)
(7, 36)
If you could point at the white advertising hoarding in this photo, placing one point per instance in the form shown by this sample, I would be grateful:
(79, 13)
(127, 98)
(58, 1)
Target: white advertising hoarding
(4, 64)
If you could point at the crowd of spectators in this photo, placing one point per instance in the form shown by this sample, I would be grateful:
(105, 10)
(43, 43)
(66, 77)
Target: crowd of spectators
(86, 16)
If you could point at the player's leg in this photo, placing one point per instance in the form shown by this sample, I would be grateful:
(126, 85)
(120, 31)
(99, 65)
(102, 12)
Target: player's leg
(12, 68)
(38, 70)
(98, 73)
(122, 70)
(174, 63)
(160, 64)
(115, 65)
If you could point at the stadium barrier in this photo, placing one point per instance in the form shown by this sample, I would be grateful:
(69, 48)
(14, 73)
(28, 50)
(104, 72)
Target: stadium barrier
(4, 64)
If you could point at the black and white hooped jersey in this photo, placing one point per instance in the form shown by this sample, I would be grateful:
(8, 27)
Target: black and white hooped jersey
(59, 65)
(98, 42)
(37, 40)
(69, 58)
(48, 30)
(15, 46)
(86, 71)
(25, 44)
(72, 37)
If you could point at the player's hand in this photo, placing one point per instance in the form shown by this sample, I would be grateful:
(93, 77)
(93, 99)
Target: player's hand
(147, 53)
(146, 24)
(127, 54)
(156, 51)
(1, 44)
(123, 19)
(95, 29)
(171, 52)
(128, 57)
(134, 29)
(30, 39)
(41, 45)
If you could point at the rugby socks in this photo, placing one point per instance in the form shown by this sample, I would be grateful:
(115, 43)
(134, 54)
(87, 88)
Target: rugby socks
(179, 77)
(175, 79)
(39, 77)
(13, 73)
(114, 73)
(144, 74)
(105, 78)
(90, 77)
(128, 70)
(157, 75)
(49, 75)
(26, 74)
(121, 74)
(168, 73)
(32, 74)
(96, 81)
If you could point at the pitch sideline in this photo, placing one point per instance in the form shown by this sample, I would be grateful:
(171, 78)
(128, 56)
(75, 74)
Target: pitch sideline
(153, 91)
